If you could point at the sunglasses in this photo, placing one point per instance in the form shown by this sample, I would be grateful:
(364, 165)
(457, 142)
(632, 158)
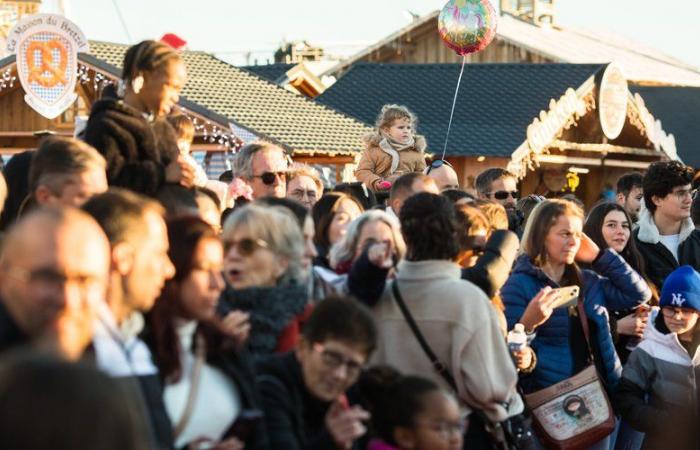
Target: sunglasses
(269, 178)
(437, 164)
(245, 247)
(502, 195)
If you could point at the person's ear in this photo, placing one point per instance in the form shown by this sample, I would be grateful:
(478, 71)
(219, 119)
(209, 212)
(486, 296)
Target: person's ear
(404, 437)
(620, 198)
(656, 200)
(281, 266)
(43, 195)
(302, 349)
(123, 255)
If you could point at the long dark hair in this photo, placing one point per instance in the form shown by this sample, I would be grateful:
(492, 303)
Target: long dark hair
(184, 234)
(594, 229)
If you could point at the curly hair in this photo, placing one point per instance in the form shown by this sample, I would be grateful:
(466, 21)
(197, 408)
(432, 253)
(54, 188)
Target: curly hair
(661, 178)
(429, 227)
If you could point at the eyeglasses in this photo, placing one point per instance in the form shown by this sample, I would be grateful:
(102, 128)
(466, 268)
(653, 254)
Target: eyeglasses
(333, 360)
(672, 312)
(300, 193)
(53, 279)
(502, 195)
(437, 164)
(444, 428)
(246, 246)
(683, 193)
(269, 178)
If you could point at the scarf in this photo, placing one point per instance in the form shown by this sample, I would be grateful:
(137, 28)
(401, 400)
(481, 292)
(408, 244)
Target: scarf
(392, 148)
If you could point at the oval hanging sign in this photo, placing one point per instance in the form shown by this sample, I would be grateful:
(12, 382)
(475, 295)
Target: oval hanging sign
(612, 101)
(47, 47)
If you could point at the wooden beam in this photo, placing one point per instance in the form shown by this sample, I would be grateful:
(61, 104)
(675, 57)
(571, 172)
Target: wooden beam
(602, 148)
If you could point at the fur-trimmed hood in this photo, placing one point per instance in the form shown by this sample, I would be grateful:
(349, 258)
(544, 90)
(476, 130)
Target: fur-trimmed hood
(649, 232)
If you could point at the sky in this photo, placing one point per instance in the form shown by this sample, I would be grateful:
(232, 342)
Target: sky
(233, 28)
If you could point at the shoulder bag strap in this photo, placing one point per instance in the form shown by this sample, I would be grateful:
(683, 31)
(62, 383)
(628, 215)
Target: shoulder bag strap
(194, 387)
(584, 324)
(439, 366)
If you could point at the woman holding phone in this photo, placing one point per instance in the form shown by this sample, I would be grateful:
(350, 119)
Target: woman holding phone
(553, 243)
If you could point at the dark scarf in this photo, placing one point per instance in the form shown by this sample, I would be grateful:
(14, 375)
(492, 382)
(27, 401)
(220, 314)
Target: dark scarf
(271, 310)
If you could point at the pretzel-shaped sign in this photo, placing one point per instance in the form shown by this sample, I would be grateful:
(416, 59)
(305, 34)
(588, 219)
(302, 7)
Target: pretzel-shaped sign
(38, 74)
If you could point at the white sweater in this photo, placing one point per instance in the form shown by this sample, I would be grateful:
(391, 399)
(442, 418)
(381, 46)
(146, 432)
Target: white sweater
(217, 404)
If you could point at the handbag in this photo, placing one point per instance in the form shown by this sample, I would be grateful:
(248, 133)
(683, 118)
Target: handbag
(515, 433)
(574, 413)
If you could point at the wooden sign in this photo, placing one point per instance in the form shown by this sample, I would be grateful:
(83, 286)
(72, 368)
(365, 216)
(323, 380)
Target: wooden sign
(612, 101)
(47, 46)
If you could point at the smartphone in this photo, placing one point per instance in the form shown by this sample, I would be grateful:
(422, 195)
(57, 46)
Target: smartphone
(244, 425)
(569, 297)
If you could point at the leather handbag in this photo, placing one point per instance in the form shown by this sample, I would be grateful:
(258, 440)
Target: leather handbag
(574, 413)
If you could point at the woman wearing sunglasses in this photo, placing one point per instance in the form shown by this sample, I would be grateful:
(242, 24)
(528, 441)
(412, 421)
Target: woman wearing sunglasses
(206, 378)
(264, 273)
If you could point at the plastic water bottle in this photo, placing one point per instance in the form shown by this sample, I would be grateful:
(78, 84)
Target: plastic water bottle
(517, 339)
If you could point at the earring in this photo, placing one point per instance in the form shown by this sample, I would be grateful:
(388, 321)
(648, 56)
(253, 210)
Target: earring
(137, 84)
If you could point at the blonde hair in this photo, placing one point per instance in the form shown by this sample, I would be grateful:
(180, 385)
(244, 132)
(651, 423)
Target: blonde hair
(541, 220)
(344, 250)
(304, 170)
(495, 213)
(278, 228)
(391, 113)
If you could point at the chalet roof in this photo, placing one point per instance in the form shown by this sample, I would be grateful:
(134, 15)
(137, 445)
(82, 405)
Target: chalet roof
(678, 108)
(496, 102)
(264, 108)
(569, 45)
(270, 72)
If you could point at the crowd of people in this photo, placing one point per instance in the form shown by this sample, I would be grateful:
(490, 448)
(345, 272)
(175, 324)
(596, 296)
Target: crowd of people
(143, 306)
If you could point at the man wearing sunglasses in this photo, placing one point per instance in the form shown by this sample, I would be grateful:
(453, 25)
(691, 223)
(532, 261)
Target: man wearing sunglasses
(53, 273)
(444, 175)
(303, 392)
(500, 186)
(263, 166)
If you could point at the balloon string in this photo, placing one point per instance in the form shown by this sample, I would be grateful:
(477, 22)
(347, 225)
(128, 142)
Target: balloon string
(454, 102)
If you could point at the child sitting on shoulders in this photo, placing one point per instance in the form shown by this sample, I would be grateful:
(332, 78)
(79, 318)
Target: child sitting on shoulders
(658, 394)
(392, 150)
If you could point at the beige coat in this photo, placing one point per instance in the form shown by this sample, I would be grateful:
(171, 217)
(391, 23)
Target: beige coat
(460, 325)
(377, 161)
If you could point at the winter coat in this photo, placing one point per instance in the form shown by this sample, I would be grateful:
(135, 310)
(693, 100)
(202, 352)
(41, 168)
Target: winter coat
(460, 325)
(617, 287)
(658, 393)
(367, 281)
(295, 419)
(274, 313)
(658, 260)
(137, 151)
(379, 160)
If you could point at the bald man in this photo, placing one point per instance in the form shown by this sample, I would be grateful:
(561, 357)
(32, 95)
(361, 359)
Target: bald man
(445, 177)
(54, 269)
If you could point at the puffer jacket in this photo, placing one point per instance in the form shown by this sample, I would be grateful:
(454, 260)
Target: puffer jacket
(659, 387)
(658, 260)
(379, 160)
(613, 286)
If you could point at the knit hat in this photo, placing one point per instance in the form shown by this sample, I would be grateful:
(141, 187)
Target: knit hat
(681, 289)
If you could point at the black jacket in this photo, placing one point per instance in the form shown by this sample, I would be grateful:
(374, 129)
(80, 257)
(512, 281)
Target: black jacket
(658, 260)
(367, 282)
(11, 335)
(137, 151)
(295, 419)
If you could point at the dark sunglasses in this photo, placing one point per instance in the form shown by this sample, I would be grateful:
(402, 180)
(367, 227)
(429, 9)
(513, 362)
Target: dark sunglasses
(502, 195)
(245, 247)
(437, 164)
(269, 177)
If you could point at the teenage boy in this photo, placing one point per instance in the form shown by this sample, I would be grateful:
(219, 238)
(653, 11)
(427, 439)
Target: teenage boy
(658, 394)
(666, 236)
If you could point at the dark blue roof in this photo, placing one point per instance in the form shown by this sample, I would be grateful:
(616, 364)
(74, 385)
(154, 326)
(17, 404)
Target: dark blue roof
(678, 109)
(496, 102)
(269, 72)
